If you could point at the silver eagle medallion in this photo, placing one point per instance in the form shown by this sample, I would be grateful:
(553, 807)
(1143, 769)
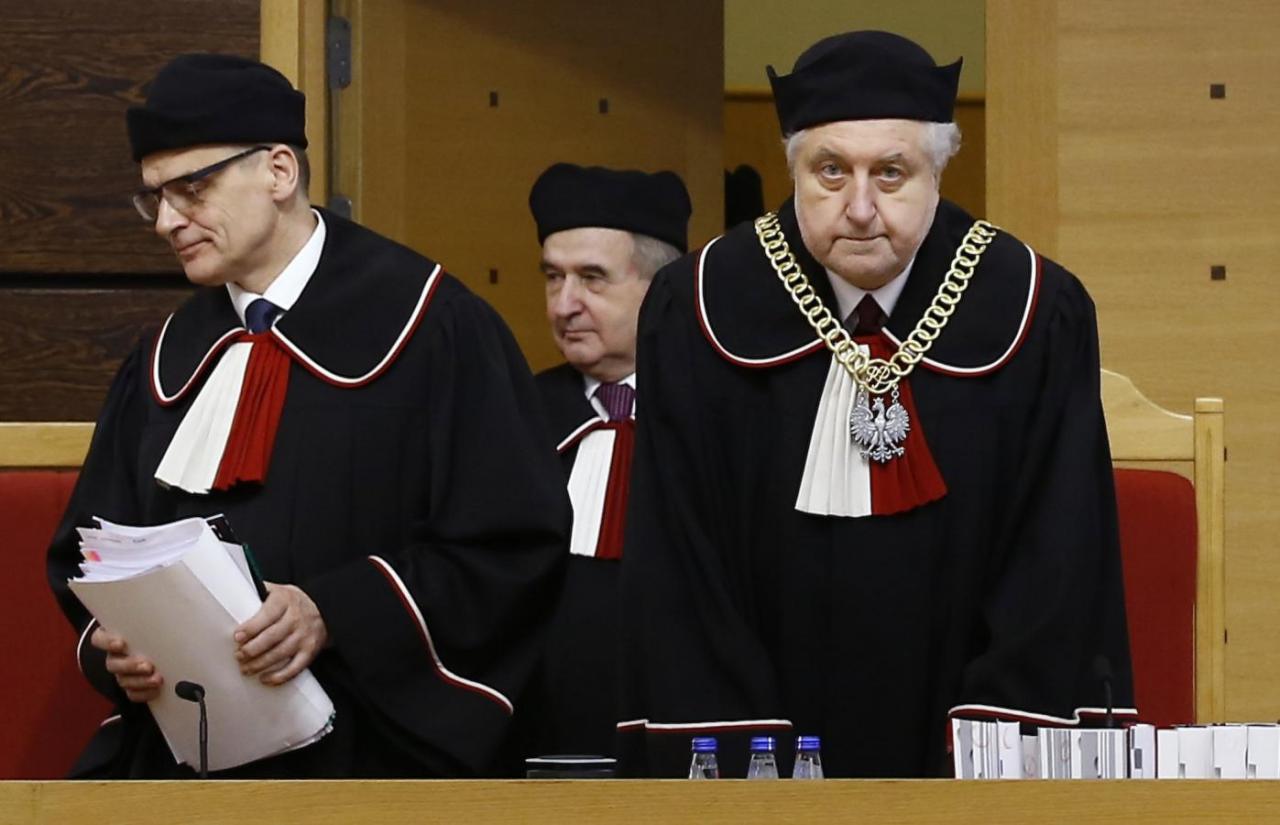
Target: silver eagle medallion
(879, 431)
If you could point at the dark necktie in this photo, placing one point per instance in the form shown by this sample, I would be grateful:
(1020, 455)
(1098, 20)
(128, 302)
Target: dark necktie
(617, 400)
(867, 317)
(260, 314)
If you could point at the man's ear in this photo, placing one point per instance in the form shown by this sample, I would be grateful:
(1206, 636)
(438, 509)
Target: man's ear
(285, 172)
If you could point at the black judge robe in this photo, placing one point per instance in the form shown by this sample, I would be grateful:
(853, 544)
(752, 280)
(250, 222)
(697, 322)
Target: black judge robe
(576, 705)
(742, 615)
(411, 476)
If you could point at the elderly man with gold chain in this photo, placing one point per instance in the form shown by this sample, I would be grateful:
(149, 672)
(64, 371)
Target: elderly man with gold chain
(872, 485)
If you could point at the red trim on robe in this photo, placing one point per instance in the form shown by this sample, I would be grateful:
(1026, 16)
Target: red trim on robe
(317, 369)
(420, 623)
(253, 431)
(613, 519)
(912, 479)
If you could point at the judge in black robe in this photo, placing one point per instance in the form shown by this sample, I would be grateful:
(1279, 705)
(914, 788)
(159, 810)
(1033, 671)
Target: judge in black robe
(407, 489)
(605, 232)
(980, 578)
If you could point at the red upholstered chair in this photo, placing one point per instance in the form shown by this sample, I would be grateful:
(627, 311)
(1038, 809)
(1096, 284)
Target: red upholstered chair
(1169, 475)
(50, 709)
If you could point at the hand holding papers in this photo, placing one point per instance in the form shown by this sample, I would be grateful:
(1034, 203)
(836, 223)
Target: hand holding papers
(177, 594)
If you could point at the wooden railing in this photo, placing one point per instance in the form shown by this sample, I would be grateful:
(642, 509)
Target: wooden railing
(945, 802)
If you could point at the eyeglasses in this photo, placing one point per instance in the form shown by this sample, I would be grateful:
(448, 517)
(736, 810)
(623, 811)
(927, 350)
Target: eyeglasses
(183, 192)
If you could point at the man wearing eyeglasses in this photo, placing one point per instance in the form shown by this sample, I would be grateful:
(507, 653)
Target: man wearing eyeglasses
(368, 427)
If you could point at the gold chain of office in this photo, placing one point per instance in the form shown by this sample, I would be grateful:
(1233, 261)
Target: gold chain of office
(875, 376)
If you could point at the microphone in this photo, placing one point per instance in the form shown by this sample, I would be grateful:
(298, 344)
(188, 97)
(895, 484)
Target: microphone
(1102, 672)
(194, 692)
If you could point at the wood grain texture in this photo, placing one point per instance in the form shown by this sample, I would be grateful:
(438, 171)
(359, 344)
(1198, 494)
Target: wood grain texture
(59, 348)
(44, 444)
(71, 68)
(1142, 431)
(430, 162)
(1147, 184)
(671, 802)
(293, 41)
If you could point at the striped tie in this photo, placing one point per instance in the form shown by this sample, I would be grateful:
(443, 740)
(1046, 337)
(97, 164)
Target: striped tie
(617, 400)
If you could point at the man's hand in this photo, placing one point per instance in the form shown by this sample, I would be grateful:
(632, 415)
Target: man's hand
(135, 674)
(282, 638)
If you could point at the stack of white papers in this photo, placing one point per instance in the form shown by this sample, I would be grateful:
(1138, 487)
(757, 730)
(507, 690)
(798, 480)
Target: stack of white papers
(984, 749)
(176, 594)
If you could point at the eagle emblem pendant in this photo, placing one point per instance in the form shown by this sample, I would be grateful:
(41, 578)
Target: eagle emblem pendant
(879, 431)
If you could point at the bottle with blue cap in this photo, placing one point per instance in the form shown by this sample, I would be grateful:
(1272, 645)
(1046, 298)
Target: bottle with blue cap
(808, 759)
(764, 763)
(704, 764)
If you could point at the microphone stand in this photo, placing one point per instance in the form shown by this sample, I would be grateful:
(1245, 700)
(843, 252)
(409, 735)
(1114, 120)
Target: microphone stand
(193, 692)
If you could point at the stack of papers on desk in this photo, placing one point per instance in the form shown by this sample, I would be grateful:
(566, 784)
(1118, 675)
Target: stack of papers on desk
(177, 593)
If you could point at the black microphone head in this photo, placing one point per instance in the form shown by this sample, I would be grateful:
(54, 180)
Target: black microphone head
(1102, 668)
(190, 691)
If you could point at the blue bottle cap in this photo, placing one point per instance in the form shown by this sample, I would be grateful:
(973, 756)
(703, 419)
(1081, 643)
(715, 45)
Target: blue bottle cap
(704, 744)
(808, 743)
(763, 743)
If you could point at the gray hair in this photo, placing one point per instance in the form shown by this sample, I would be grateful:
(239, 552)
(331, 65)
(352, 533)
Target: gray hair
(940, 143)
(648, 254)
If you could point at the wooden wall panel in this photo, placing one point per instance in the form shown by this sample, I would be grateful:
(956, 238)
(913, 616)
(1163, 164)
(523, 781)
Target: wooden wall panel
(71, 69)
(1145, 183)
(60, 347)
(751, 137)
(81, 275)
(434, 159)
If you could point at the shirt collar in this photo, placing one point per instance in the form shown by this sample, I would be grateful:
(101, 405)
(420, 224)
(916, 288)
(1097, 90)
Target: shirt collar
(592, 384)
(288, 285)
(848, 295)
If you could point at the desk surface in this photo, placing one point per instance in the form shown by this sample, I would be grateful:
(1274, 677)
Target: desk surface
(946, 802)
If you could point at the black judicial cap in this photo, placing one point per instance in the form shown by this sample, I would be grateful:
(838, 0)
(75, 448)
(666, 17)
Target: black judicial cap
(567, 196)
(864, 75)
(198, 99)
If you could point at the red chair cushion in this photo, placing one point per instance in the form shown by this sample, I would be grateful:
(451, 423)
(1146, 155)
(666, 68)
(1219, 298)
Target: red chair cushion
(52, 711)
(1157, 511)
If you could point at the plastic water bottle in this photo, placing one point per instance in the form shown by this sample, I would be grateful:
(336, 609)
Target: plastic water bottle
(763, 765)
(808, 759)
(704, 765)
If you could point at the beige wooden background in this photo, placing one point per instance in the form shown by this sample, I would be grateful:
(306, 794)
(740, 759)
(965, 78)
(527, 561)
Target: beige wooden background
(1106, 150)
(457, 106)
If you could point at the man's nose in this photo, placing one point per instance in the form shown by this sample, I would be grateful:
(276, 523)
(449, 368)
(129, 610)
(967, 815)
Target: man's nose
(861, 203)
(567, 299)
(168, 219)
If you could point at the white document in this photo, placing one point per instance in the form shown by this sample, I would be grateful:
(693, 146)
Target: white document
(1167, 761)
(1084, 754)
(1142, 751)
(1262, 757)
(1229, 745)
(962, 747)
(1195, 752)
(986, 751)
(1113, 753)
(1030, 757)
(1055, 753)
(1009, 735)
(181, 614)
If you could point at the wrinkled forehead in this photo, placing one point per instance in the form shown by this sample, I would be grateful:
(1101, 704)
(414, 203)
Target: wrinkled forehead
(159, 167)
(588, 246)
(866, 139)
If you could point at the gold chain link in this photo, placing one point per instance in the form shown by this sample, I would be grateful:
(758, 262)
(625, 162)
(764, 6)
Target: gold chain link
(875, 375)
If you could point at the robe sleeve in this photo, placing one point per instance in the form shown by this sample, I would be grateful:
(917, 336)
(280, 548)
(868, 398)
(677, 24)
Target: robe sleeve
(106, 487)
(441, 634)
(1055, 598)
(692, 662)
